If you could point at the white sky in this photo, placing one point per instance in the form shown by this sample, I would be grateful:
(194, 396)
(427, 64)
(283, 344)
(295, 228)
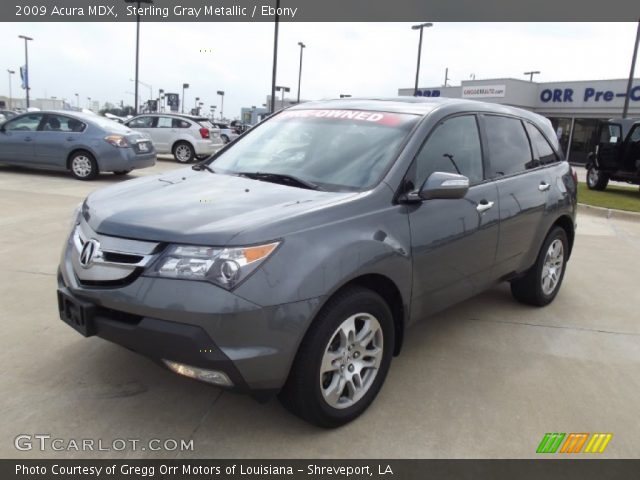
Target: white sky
(97, 59)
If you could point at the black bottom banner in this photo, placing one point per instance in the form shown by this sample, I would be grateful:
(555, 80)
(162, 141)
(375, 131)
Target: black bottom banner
(543, 469)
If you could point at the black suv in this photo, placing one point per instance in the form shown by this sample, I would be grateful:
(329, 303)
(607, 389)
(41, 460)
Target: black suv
(616, 155)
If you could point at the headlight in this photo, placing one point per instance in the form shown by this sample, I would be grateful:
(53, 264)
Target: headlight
(225, 267)
(75, 219)
(117, 141)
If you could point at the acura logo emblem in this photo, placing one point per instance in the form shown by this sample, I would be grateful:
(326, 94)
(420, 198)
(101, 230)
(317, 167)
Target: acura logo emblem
(90, 251)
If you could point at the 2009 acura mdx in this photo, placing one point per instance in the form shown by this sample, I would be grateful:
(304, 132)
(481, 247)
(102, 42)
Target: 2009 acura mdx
(293, 260)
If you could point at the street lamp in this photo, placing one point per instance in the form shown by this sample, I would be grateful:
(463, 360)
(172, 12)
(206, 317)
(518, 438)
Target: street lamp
(625, 109)
(221, 93)
(26, 65)
(420, 27)
(77, 100)
(161, 100)
(531, 74)
(302, 46)
(184, 87)
(89, 103)
(135, 106)
(10, 72)
(282, 89)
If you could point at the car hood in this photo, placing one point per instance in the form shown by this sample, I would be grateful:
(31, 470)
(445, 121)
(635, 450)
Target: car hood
(198, 207)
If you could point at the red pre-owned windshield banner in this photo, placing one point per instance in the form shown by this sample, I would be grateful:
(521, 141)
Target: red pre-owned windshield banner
(366, 116)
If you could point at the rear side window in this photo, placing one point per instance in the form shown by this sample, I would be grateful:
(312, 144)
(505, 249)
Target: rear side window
(453, 147)
(541, 148)
(141, 122)
(179, 123)
(60, 123)
(509, 148)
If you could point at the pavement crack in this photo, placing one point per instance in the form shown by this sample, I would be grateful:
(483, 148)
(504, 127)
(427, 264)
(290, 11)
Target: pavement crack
(34, 273)
(202, 420)
(562, 327)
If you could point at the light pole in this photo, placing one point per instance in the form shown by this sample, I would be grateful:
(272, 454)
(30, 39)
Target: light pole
(195, 105)
(89, 103)
(420, 27)
(26, 64)
(302, 46)
(625, 110)
(135, 106)
(77, 100)
(221, 93)
(531, 74)
(161, 100)
(10, 72)
(275, 58)
(184, 87)
(282, 89)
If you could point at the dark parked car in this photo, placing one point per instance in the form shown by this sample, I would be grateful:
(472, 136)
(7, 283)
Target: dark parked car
(82, 144)
(294, 260)
(617, 154)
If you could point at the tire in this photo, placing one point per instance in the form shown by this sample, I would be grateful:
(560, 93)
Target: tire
(225, 139)
(83, 166)
(122, 172)
(183, 152)
(306, 392)
(540, 285)
(596, 179)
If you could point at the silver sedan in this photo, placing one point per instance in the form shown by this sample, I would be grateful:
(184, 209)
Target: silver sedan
(82, 144)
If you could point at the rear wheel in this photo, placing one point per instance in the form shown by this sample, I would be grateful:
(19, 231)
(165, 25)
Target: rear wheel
(343, 359)
(540, 285)
(183, 152)
(83, 166)
(596, 179)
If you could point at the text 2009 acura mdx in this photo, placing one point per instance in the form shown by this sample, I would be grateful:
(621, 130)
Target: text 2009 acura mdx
(294, 259)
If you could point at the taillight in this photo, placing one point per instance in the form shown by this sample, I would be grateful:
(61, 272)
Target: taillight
(204, 132)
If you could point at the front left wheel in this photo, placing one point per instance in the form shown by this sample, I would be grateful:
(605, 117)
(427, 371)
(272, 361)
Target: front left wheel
(343, 359)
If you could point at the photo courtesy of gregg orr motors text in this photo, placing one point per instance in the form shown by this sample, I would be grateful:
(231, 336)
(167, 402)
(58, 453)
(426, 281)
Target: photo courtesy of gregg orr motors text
(48, 443)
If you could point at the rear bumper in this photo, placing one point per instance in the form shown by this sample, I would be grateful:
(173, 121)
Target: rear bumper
(125, 159)
(206, 147)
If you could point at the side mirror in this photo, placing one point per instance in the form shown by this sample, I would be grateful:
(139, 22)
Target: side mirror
(442, 185)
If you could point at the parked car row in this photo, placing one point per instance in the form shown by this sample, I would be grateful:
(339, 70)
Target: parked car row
(86, 145)
(80, 143)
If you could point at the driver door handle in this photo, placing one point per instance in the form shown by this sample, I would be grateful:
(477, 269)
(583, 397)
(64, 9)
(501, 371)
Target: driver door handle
(483, 206)
(544, 186)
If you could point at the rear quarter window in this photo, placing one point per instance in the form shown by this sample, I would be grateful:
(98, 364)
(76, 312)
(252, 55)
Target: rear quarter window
(543, 152)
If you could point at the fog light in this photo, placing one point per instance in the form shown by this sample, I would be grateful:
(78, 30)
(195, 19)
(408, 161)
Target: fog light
(210, 376)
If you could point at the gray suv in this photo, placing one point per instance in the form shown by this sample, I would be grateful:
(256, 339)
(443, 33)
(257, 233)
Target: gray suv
(293, 261)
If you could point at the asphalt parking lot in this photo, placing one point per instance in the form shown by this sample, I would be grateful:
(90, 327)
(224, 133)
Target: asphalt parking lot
(485, 379)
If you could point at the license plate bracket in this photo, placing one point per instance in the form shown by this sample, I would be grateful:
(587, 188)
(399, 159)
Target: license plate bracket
(76, 313)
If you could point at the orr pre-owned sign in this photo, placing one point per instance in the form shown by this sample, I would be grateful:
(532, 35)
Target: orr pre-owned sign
(605, 93)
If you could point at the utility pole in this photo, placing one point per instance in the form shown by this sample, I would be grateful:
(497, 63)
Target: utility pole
(26, 65)
(302, 46)
(625, 110)
(275, 58)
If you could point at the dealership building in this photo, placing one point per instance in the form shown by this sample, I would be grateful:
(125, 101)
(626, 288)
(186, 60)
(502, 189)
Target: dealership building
(574, 108)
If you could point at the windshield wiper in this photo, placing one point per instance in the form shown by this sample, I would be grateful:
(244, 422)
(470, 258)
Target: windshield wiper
(198, 167)
(280, 178)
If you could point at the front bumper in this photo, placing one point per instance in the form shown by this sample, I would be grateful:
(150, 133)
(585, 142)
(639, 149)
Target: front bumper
(197, 324)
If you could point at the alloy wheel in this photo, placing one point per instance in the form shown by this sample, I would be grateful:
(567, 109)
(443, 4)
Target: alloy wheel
(81, 166)
(183, 153)
(351, 360)
(552, 267)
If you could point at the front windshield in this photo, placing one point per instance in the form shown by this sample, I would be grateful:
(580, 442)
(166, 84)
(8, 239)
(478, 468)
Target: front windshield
(335, 149)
